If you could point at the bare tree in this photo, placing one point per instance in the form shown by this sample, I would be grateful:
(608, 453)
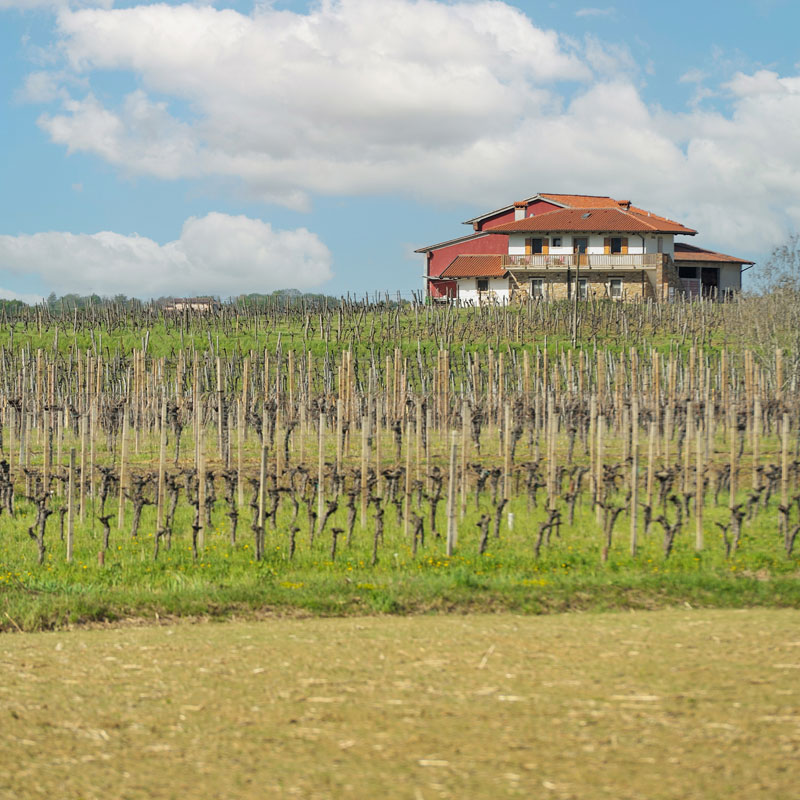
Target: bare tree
(781, 271)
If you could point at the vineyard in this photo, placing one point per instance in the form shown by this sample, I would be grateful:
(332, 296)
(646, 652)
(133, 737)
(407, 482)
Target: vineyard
(385, 457)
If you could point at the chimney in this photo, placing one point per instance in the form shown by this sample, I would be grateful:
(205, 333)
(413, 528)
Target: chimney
(626, 204)
(519, 210)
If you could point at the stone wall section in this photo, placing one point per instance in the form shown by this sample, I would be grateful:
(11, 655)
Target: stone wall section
(636, 285)
(667, 278)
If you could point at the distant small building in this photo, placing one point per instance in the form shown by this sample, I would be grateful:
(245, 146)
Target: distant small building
(200, 305)
(553, 246)
(704, 272)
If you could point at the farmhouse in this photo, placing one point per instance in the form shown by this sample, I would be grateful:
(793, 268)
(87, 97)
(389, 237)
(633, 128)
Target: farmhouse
(200, 305)
(552, 246)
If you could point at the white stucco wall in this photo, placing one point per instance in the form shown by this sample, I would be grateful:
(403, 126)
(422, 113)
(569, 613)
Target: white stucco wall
(516, 243)
(730, 278)
(651, 244)
(498, 291)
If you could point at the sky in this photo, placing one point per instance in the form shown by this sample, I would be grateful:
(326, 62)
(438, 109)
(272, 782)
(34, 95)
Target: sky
(154, 149)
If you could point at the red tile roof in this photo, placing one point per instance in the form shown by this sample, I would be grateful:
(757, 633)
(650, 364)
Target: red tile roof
(598, 201)
(475, 267)
(594, 220)
(689, 252)
(581, 200)
(584, 201)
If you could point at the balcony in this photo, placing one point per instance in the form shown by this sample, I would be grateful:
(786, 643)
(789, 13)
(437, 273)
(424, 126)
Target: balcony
(601, 262)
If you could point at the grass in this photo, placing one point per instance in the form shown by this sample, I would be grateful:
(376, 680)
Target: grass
(375, 331)
(670, 704)
(226, 580)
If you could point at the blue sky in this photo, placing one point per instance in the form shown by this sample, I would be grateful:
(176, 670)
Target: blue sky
(224, 148)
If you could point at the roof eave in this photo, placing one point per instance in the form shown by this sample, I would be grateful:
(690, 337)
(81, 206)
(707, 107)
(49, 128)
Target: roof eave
(507, 232)
(510, 207)
(458, 240)
(444, 277)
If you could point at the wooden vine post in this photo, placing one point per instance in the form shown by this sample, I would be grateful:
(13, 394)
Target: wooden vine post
(240, 435)
(452, 532)
(123, 466)
(734, 443)
(464, 447)
(71, 505)
(634, 482)
(363, 482)
(201, 491)
(162, 466)
(507, 453)
(407, 479)
(699, 488)
(82, 479)
(321, 468)
(599, 470)
(785, 461)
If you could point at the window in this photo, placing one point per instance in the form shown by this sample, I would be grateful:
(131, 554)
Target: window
(660, 244)
(483, 284)
(556, 241)
(536, 247)
(615, 287)
(537, 287)
(583, 288)
(615, 245)
(687, 272)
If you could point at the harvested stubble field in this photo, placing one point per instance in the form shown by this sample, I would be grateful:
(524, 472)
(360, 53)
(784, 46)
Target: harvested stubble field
(379, 458)
(669, 704)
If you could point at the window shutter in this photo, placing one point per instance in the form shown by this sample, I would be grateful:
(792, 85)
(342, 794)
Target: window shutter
(545, 246)
(607, 245)
(624, 245)
(528, 246)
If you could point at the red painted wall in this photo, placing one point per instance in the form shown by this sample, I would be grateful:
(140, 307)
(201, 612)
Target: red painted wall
(490, 244)
(441, 289)
(498, 219)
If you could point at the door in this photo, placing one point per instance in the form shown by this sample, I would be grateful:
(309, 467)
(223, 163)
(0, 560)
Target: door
(709, 282)
(580, 245)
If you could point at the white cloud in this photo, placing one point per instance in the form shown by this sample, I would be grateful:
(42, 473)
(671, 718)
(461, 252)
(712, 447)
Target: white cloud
(693, 75)
(595, 12)
(440, 101)
(339, 100)
(42, 87)
(607, 58)
(216, 254)
(143, 136)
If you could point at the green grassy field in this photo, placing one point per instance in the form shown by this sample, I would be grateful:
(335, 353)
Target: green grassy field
(673, 704)
(68, 380)
(225, 579)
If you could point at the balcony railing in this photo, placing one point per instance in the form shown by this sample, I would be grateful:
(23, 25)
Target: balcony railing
(587, 261)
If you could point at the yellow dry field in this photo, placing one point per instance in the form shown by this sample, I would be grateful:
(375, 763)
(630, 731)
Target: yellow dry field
(675, 704)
